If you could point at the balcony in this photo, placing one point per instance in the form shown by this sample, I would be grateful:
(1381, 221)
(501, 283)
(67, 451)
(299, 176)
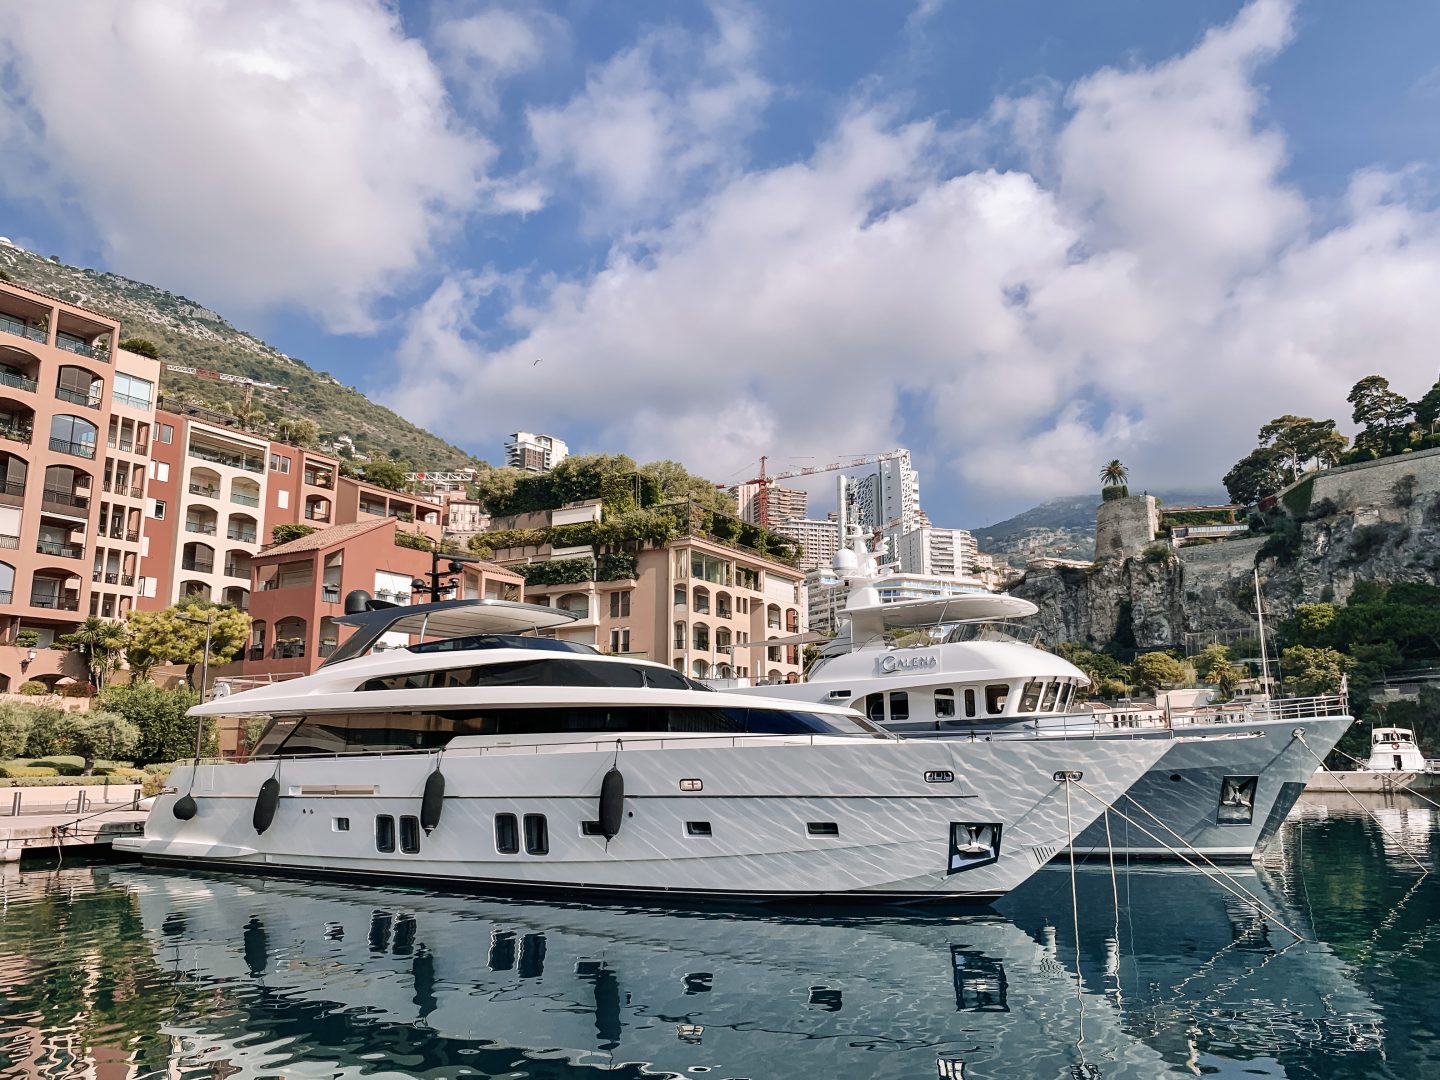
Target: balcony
(19, 329)
(239, 570)
(12, 492)
(108, 579)
(62, 548)
(18, 382)
(8, 541)
(327, 647)
(64, 502)
(317, 515)
(231, 461)
(244, 500)
(21, 431)
(245, 536)
(330, 594)
(255, 652)
(77, 397)
(206, 528)
(200, 566)
(55, 601)
(77, 449)
(79, 347)
(205, 490)
(143, 404)
(288, 650)
(320, 480)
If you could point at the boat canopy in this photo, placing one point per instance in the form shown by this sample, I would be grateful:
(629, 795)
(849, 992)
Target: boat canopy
(446, 619)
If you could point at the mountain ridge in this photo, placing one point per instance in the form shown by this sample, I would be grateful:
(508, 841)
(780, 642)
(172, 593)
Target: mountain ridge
(188, 333)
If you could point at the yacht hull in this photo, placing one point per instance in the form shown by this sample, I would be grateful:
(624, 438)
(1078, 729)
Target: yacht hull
(778, 817)
(1220, 791)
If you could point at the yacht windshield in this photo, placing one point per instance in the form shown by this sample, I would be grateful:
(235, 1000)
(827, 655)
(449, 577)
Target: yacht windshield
(382, 731)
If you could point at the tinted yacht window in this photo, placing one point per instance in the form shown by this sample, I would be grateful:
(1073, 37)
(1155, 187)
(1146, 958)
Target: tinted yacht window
(550, 671)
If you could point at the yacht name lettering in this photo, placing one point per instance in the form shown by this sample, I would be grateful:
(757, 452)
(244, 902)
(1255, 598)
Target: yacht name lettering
(891, 663)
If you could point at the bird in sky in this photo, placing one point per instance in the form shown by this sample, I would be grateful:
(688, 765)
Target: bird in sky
(537, 360)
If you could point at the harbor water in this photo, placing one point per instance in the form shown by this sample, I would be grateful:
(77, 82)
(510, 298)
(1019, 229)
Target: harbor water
(115, 970)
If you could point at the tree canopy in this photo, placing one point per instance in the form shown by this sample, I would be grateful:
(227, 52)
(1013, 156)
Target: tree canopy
(177, 634)
(386, 474)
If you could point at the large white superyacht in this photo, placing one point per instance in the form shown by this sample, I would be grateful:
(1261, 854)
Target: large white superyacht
(1221, 790)
(499, 761)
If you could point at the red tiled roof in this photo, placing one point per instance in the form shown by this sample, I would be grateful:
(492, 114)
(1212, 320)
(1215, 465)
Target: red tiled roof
(324, 538)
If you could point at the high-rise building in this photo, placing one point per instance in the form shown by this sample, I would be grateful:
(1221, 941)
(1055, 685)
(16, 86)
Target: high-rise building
(818, 540)
(888, 497)
(69, 502)
(933, 551)
(535, 453)
(784, 504)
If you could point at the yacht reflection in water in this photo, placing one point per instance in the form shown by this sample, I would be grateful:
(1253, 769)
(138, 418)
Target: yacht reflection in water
(328, 980)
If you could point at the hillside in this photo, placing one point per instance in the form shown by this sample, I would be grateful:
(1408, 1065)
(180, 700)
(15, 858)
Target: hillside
(1064, 528)
(186, 333)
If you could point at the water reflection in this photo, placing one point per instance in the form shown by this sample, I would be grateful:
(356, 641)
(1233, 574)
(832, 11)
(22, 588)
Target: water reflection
(171, 974)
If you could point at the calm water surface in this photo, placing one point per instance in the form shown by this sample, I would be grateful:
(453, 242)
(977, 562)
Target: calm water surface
(118, 971)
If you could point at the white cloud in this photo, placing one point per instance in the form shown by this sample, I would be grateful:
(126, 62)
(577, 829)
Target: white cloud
(479, 49)
(255, 154)
(658, 116)
(1156, 294)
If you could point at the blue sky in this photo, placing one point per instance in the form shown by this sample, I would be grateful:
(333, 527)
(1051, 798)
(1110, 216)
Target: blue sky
(1019, 238)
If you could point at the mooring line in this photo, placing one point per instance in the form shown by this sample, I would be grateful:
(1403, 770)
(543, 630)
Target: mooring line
(1224, 880)
(1399, 840)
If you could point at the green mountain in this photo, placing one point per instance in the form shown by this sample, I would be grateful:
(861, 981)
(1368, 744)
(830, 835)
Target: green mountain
(188, 334)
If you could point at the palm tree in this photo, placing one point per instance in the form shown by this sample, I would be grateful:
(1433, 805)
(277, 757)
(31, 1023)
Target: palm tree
(1114, 474)
(102, 643)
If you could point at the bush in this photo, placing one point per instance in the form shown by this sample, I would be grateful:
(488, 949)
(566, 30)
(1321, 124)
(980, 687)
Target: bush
(166, 733)
(21, 772)
(100, 734)
(285, 532)
(27, 639)
(1159, 552)
(15, 721)
(1403, 491)
(1118, 491)
(616, 566)
(34, 688)
(558, 572)
(77, 690)
(141, 347)
(47, 734)
(417, 541)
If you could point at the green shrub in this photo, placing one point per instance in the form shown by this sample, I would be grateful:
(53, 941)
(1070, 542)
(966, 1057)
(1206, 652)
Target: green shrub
(27, 639)
(1158, 553)
(20, 772)
(616, 566)
(34, 688)
(15, 721)
(558, 572)
(287, 531)
(417, 541)
(166, 733)
(1118, 491)
(47, 734)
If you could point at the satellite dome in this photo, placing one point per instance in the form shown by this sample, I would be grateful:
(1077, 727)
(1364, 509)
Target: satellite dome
(845, 560)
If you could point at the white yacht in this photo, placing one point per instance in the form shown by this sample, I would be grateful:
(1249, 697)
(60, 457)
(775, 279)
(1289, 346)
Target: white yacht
(500, 761)
(1221, 790)
(1396, 763)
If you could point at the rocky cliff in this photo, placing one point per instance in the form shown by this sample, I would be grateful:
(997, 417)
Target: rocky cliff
(1373, 521)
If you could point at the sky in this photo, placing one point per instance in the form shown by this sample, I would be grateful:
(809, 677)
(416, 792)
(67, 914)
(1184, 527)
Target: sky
(1019, 238)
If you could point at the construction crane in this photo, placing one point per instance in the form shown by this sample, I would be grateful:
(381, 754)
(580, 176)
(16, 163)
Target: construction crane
(250, 385)
(763, 481)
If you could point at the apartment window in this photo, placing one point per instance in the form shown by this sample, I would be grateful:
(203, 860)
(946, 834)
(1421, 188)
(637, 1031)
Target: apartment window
(137, 393)
(944, 702)
(679, 595)
(619, 641)
(409, 834)
(158, 511)
(537, 835)
(279, 463)
(507, 834)
(166, 434)
(384, 833)
(620, 605)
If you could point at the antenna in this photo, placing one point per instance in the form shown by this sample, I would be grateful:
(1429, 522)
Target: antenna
(1264, 655)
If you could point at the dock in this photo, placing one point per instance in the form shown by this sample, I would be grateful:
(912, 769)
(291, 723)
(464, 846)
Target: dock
(46, 820)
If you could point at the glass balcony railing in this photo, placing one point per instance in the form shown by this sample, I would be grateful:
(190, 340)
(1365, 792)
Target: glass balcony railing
(206, 527)
(237, 570)
(200, 566)
(80, 347)
(233, 461)
(206, 490)
(20, 431)
(63, 501)
(55, 601)
(13, 488)
(60, 547)
(243, 499)
(143, 404)
(78, 449)
(245, 536)
(78, 397)
(20, 329)
(19, 382)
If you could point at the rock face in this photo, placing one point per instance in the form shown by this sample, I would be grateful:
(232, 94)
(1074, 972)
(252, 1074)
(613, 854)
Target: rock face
(1376, 521)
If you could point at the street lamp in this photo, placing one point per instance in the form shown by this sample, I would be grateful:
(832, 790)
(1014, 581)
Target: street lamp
(435, 586)
(208, 622)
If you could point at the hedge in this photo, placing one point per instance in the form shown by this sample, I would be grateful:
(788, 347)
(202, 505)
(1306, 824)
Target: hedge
(65, 781)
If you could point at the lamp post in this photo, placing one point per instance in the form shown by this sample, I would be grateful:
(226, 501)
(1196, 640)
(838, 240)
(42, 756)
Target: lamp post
(208, 622)
(436, 586)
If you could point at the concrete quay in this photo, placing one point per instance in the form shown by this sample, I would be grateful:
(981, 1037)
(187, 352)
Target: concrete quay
(42, 820)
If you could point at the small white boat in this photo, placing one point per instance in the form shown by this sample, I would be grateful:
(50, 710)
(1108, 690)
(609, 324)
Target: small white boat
(1396, 764)
(498, 761)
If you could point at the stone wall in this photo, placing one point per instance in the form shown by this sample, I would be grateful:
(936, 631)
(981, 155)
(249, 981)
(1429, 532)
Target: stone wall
(1124, 527)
